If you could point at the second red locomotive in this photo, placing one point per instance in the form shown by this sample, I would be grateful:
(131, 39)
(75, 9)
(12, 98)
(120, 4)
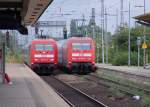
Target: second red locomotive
(77, 54)
(41, 55)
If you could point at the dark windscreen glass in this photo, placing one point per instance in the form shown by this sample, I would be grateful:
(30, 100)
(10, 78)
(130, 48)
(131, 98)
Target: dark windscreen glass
(43, 47)
(81, 46)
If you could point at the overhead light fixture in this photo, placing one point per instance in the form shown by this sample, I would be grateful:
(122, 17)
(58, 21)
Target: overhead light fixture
(34, 12)
(31, 17)
(39, 4)
(36, 8)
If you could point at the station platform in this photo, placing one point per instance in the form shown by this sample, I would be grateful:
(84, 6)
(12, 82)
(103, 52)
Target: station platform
(132, 69)
(27, 90)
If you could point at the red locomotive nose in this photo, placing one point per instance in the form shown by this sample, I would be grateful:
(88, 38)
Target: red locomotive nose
(76, 53)
(42, 53)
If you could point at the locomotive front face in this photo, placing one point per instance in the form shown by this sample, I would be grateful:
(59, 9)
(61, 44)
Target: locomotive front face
(82, 52)
(77, 54)
(44, 53)
(82, 56)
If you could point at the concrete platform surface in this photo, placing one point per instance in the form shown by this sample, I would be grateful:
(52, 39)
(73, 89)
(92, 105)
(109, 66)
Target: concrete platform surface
(27, 90)
(132, 69)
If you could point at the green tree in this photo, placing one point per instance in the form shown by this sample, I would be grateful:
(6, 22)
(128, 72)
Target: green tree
(120, 43)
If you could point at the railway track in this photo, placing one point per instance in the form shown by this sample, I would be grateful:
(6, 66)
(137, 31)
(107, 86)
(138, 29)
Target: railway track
(102, 81)
(129, 74)
(124, 84)
(73, 96)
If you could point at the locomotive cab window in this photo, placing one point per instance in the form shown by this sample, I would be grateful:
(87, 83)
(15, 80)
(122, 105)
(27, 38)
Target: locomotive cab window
(43, 47)
(81, 46)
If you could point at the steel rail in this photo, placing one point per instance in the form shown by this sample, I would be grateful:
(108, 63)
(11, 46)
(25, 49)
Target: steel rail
(123, 84)
(83, 96)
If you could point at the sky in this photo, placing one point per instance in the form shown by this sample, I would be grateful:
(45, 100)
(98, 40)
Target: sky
(76, 9)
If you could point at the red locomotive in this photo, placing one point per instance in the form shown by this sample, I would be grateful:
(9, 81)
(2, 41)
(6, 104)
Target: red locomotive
(41, 55)
(77, 54)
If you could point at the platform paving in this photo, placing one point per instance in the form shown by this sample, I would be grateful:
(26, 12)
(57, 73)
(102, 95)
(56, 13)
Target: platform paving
(27, 90)
(132, 69)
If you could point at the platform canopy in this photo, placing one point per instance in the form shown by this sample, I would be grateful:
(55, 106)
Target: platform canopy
(143, 19)
(17, 14)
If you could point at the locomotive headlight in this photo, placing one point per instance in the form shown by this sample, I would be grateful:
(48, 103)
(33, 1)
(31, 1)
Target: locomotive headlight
(87, 55)
(43, 56)
(36, 59)
(50, 56)
(75, 54)
(51, 59)
(37, 56)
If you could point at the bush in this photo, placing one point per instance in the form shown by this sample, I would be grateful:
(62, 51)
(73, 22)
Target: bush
(122, 59)
(14, 57)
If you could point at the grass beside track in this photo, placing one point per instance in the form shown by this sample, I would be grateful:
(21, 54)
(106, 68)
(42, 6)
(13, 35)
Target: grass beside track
(14, 57)
(145, 99)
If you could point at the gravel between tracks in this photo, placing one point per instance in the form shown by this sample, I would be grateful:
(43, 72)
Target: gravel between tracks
(76, 98)
(99, 92)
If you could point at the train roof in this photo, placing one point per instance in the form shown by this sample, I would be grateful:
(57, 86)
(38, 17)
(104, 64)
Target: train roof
(43, 40)
(80, 38)
(72, 39)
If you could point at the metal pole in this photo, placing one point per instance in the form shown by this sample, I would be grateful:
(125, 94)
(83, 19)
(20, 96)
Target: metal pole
(129, 40)
(106, 36)
(93, 32)
(97, 54)
(138, 55)
(121, 14)
(102, 22)
(116, 18)
(144, 50)
(3, 59)
(144, 7)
